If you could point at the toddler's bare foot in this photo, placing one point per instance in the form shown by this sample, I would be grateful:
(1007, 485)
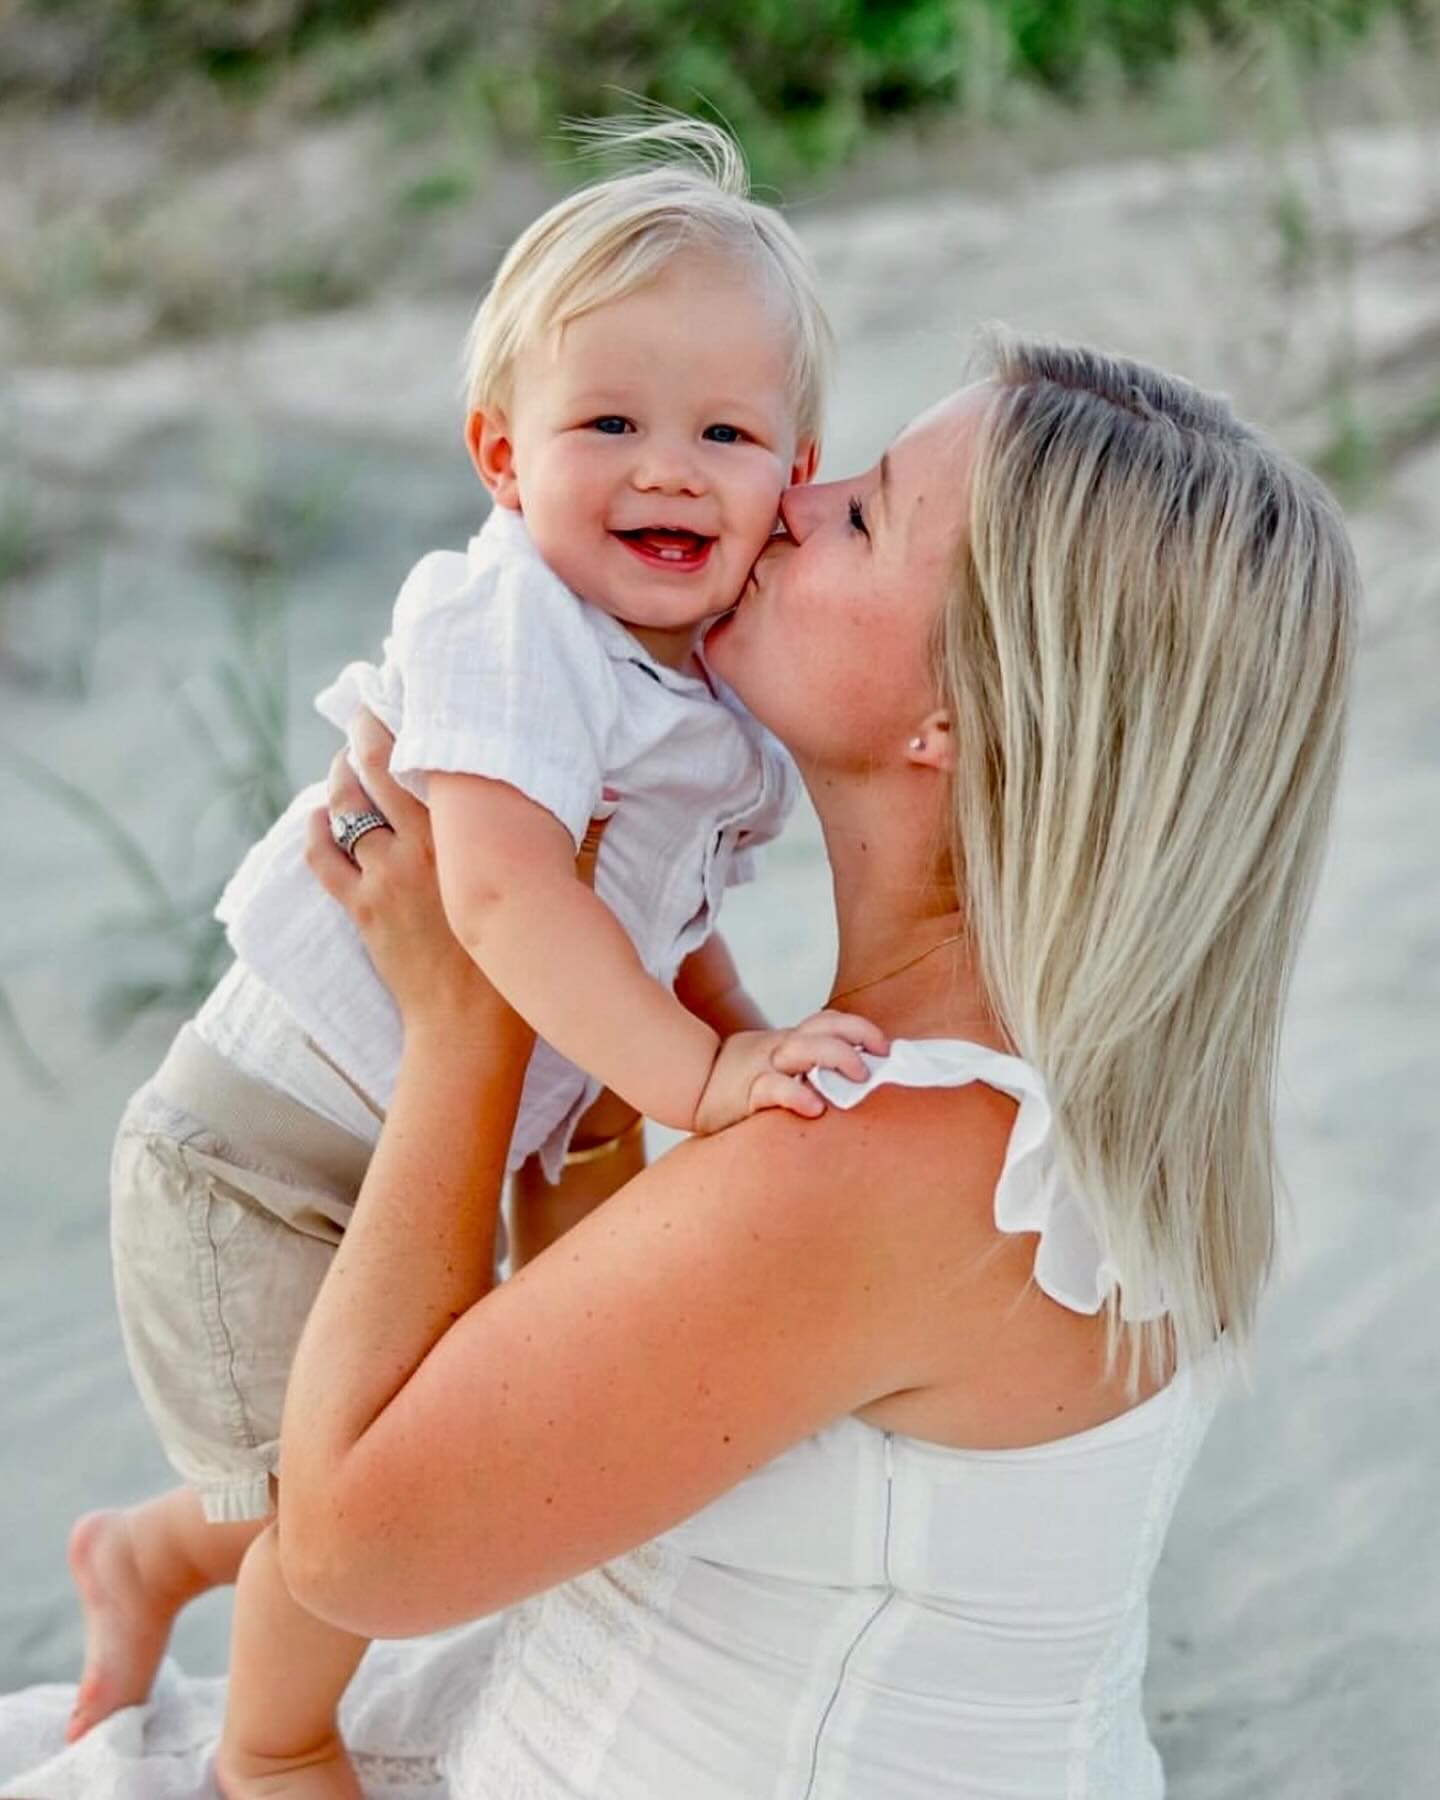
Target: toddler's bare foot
(126, 1626)
(325, 1773)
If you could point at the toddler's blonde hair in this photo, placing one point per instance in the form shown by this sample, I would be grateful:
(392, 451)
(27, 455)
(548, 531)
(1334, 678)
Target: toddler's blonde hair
(1146, 659)
(611, 238)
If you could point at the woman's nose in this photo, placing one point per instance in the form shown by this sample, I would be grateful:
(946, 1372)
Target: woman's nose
(804, 507)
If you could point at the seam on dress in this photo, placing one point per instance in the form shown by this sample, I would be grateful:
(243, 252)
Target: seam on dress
(860, 1635)
(840, 1675)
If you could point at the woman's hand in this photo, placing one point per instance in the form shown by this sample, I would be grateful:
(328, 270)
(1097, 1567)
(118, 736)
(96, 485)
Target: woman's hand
(388, 884)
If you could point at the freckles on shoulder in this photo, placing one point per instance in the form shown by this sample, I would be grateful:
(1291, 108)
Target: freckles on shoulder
(904, 1151)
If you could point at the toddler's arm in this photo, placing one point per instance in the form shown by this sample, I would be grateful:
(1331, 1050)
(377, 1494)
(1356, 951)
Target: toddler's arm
(557, 953)
(560, 957)
(709, 986)
(755, 1063)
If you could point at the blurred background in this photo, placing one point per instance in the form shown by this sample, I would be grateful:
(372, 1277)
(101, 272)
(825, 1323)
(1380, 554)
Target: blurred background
(239, 245)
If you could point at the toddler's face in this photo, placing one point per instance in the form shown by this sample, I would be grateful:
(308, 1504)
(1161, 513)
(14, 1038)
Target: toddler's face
(648, 444)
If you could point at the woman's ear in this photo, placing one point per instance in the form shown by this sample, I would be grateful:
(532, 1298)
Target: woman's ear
(807, 461)
(932, 745)
(492, 450)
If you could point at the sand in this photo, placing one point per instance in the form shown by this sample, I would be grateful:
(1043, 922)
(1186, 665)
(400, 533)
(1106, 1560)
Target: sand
(1296, 1632)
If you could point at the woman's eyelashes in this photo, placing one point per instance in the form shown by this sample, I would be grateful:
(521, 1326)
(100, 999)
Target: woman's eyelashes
(857, 517)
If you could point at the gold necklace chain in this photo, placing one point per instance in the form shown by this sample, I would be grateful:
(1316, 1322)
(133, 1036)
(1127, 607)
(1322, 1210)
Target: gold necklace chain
(899, 969)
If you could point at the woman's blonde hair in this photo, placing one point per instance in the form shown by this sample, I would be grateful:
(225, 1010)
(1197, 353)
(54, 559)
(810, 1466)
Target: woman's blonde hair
(617, 235)
(1146, 660)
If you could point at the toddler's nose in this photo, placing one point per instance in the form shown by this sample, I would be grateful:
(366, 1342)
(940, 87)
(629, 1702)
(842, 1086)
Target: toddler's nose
(663, 471)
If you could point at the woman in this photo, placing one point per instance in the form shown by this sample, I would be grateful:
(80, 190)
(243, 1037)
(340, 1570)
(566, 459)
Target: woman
(831, 1458)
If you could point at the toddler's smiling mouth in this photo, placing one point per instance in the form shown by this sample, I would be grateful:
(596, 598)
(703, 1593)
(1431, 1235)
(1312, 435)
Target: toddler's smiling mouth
(669, 547)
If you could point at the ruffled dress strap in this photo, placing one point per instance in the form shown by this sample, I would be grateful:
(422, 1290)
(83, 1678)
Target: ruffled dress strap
(1072, 1264)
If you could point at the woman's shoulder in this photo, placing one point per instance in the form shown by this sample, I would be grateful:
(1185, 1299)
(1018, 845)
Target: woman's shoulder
(901, 1170)
(906, 1202)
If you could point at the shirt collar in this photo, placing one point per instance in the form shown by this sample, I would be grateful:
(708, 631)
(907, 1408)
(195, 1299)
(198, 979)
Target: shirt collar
(508, 530)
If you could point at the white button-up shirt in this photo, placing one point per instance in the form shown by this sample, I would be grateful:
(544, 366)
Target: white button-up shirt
(493, 667)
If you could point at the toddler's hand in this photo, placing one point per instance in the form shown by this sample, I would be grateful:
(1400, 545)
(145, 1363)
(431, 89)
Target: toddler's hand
(760, 1069)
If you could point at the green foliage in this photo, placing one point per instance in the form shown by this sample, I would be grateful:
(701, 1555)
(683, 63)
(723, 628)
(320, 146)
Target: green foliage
(797, 79)
(123, 49)
(1056, 43)
(22, 545)
(824, 69)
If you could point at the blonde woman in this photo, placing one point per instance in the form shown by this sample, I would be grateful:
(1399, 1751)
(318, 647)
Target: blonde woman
(830, 1459)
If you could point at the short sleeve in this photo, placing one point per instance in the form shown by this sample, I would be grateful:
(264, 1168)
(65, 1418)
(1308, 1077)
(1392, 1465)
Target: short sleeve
(503, 675)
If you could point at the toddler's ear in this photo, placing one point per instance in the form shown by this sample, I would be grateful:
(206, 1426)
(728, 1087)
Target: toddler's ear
(807, 461)
(487, 436)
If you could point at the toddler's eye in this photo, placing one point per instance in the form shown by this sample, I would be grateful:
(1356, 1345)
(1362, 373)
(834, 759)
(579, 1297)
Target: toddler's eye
(724, 434)
(611, 424)
(857, 517)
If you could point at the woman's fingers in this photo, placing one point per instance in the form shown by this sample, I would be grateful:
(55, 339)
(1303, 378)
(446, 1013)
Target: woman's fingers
(344, 791)
(328, 863)
(388, 886)
(373, 745)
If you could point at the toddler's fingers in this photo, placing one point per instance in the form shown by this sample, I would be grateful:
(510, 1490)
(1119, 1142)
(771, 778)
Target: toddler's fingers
(328, 863)
(772, 1089)
(853, 1028)
(804, 1050)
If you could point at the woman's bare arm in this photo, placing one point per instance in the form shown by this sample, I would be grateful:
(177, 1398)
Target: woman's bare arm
(447, 1132)
(724, 1305)
(448, 1449)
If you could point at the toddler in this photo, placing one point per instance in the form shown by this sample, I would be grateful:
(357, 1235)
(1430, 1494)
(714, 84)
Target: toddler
(644, 378)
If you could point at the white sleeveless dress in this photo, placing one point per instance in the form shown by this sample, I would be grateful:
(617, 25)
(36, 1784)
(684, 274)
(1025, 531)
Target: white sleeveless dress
(867, 1617)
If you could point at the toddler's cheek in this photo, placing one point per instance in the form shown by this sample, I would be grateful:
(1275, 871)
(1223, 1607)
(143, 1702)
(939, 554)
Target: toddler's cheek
(762, 509)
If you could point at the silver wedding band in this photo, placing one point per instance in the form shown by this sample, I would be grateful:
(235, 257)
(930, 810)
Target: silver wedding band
(348, 828)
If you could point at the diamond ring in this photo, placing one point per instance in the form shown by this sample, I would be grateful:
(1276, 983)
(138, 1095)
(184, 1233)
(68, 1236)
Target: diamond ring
(348, 828)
